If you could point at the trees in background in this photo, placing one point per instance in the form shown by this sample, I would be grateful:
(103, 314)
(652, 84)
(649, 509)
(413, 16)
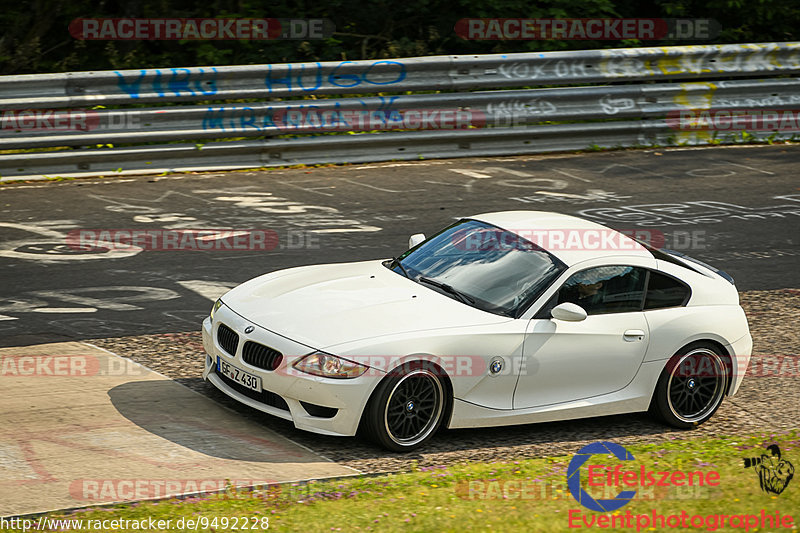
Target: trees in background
(34, 36)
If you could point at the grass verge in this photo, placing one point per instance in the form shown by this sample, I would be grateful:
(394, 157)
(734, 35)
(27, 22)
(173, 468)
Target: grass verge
(524, 495)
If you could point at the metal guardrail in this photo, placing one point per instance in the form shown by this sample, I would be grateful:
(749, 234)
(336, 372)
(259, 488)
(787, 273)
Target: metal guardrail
(503, 121)
(359, 148)
(489, 108)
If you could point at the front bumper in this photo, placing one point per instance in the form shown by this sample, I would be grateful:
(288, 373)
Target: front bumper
(347, 396)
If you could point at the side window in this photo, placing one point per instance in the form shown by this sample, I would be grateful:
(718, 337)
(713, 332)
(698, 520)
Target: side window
(665, 291)
(606, 289)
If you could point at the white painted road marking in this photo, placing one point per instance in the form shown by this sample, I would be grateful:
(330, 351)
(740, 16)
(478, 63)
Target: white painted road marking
(64, 310)
(207, 289)
(470, 173)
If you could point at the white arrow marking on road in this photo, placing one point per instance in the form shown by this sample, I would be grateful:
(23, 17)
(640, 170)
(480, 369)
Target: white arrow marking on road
(207, 289)
(6, 317)
(64, 310)
(222, 234)
(565, 195)
(470, 173)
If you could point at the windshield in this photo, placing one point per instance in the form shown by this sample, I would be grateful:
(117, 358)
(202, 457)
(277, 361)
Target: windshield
(481, 265)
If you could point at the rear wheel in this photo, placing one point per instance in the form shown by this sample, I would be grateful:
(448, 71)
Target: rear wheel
(691, 387)
(407, 408)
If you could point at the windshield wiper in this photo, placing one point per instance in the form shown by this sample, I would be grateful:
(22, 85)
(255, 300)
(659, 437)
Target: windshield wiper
(447, 288)
(396, 261)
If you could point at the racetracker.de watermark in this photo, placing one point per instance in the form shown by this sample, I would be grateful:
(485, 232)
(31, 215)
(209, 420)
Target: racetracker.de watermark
(760, 366)
(205, 29)
(23, 120)
(104, 490)
(585, 29)
(342, 119)
(535, 489)
(454, 366)
(555, 240)
(735, 120)
(205, 239)
(67, 366)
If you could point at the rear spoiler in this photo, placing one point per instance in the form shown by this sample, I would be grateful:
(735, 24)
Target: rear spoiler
(686, 261)
(683, 260)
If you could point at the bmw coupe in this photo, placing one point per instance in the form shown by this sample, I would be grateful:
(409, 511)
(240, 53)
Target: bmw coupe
(501, 318)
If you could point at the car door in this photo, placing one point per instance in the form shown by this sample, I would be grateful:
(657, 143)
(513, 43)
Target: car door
(565, 361)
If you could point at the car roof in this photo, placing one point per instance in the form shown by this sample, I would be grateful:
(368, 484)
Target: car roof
(525, 223)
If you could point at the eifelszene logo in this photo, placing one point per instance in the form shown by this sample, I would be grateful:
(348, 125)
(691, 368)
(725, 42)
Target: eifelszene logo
(603, 476)
(774, 472)
(574, 477)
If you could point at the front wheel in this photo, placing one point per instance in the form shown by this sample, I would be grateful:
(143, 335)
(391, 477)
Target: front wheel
(406, 409)
(691, 386)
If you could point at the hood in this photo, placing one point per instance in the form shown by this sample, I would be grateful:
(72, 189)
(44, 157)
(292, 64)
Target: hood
(325, 305)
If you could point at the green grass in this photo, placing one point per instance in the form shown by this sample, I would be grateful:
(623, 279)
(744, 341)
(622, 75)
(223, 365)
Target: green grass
(439, 498)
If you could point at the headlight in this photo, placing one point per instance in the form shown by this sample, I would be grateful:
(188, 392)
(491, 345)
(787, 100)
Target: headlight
(216, 306)
(329, 366)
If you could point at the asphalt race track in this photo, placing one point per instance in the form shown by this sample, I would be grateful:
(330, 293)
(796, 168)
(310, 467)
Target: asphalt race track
(737, 208)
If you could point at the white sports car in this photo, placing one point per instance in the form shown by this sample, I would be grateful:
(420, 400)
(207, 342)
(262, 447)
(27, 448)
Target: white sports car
(501, 318)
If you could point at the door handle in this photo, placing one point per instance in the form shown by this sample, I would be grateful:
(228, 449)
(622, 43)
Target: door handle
(633, 335)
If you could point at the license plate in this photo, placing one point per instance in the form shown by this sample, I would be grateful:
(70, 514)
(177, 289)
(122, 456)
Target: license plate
(238, 375)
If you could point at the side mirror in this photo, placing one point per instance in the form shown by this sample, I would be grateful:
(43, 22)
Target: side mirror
(415, 239)
(568, 312)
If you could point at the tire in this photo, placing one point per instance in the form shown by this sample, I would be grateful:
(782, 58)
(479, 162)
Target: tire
(691, 386)
(407, 407)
